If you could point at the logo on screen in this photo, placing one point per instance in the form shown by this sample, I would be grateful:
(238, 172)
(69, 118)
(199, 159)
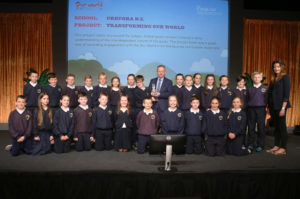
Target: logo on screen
(82, 4)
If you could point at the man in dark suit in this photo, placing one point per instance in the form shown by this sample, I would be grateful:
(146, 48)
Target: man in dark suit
(160, 89)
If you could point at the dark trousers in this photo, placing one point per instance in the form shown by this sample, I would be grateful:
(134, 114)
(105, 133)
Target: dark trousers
(193, 144)
(280, 132)
(215, 146)
(61, 146)
(235, 146)
(43, 146)
(143, 140)
(122, 138)
(103, 139)
(25, 146)
(84, 142)
(256, 115)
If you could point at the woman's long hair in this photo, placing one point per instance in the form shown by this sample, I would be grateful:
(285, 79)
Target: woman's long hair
(215, 91)
(40, 110)
(277, 77)
(119, 105)
(230, 110)
(112, 79)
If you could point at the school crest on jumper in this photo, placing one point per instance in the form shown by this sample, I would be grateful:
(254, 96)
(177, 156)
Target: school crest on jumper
(59, 89)
(91, 94)
(245, 92)
(263, 90)
(76, 92)
(38, 90)
(110, 112)
(200, 117)
(90, 114)
(179, 114)
(229, 92)
(220, 117)
(239, 117)
(27, 117)
(152, 117)
(71, 115)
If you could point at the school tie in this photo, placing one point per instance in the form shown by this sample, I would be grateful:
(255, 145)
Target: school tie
(159, 85)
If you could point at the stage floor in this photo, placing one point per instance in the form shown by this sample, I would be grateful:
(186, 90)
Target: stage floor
(131, 162)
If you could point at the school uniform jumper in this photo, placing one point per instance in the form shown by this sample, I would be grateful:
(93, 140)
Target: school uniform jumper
(257, 100)
(226, 96)
(237, 124)
(186, 98)
(89, 93)
(205, 99)
(124, 125)
(32, 93)
(177, 92)
(97, 91)
(172, 122)
(194, 127)
(20, 124)
(63, 125)
(103, 126)
(73, 94)
(147, 124)
(43, 146)
(83, 128)
(215, 133)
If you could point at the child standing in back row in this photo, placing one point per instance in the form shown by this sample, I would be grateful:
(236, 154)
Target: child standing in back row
(31, 91)
(71, 90)
(225, 94)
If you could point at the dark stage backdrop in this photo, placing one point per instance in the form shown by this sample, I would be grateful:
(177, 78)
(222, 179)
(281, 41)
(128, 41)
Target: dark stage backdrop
(25, 42)
(268, 40)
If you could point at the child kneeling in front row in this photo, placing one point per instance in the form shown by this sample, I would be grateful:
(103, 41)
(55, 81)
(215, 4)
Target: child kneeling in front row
(147, 122)
(20, 126)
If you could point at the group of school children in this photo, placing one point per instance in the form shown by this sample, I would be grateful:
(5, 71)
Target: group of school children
(213, 119)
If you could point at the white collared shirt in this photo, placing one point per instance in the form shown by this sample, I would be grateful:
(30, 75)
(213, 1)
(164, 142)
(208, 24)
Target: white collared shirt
(210, 87)
(71, 87)
(257, 86)
(115, 89)
(52, 86)
(169, 109)
(236, 111)
(20, 111)
(147, 113)
(197, 86)
(131, 86)
(215, 112)
(240, 89)
(103, 107)
(65, 109)
(103, 86)
(178, 86)
(88, 88)
(33, 84)
(189, 89)
(143, 88)
(84, 107)
(224, 88)
(45, 108)
(195, 112)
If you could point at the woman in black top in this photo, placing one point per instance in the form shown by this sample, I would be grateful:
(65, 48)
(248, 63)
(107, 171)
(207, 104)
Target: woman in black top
(279, 91)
